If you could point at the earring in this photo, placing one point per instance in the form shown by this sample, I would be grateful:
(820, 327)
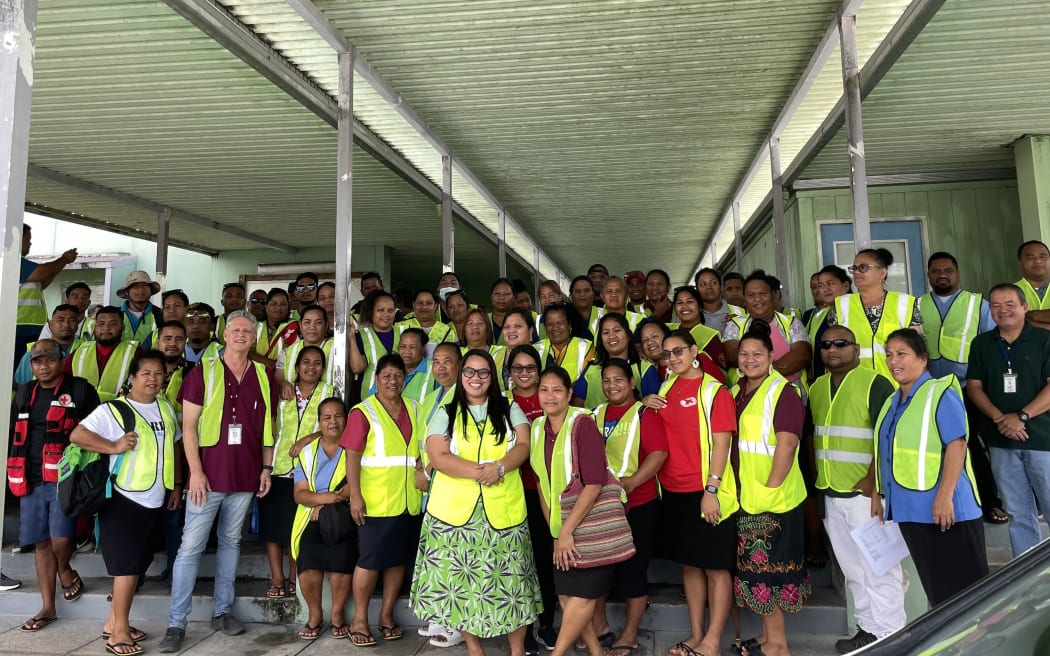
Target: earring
(696, 363)
(771, 370)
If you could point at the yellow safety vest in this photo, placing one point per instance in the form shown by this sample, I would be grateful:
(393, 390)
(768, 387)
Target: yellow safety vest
(308, 460)
(743, 322)
(574, 359)
(265, 344)
(209, 426)
(553, 483)
(593, 375)
(816, 320)
(705, 400)
(951, 337)
(1030, 297)
(138, 469)
(758, 442)
(374, 350)
(85, 365)
(896, 314)
(431, 405)
(421, 384)
(291, 354)
(388, 464)
(31, 308)
(220, 328)
(917, 450)
(291, 427)
(452, 500)
(702, 334)
(441, 332)
(147, 327)
(623, 443)
(171, 391)
(842, 435)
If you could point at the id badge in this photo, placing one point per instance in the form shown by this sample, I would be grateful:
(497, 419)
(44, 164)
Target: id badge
(233, 434)
(1009, 383)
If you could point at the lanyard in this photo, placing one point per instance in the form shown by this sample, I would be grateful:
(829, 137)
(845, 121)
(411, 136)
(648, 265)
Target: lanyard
(1005, 348)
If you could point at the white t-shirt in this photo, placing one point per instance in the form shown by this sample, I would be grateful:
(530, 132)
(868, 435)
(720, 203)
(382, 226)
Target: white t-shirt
(103, 422)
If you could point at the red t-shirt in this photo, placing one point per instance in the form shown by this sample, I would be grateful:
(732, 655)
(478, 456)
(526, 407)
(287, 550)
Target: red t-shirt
(530, 405)
(715, 349)
(653, 439)
(102, 355)
(357, 427)
(788, 416)
(683, 471)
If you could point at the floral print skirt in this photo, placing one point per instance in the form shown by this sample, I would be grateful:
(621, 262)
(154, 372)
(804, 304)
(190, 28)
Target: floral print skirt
(771, 565)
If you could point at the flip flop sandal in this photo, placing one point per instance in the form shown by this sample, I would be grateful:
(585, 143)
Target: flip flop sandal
(368, 640)
(34, 624)
(310, 632)
(291, 588)
(996, 516)
(606, 639)
(392, 632)
(747, 647)
(340, 632)
(682, 649)
(74, 590)
(137, 635)
(276, 592)
(124, 649)
(623, 650)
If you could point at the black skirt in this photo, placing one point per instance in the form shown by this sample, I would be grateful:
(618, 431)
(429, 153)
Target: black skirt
(122, 525)
(947, 561)
(314, 553)
(387, 542)
(688, 539)
(632, 575)
(590, 583)
(277, 512)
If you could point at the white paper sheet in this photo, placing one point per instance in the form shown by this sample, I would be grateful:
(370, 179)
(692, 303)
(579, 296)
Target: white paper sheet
(882, 544)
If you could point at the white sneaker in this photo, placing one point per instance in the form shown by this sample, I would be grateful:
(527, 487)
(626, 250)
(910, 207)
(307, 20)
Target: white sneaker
(447, 638)
(430, 630)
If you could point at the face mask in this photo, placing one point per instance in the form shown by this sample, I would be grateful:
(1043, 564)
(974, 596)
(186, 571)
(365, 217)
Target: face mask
(445, 291)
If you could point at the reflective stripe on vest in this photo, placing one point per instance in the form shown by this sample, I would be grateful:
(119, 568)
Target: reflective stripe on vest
(816, 320)
(308, 460)
(421, 384)
(950, 338)
(374, 350)
(896, 314)
(31, 308)
(267, 343)
(291, 427)
(843, 438)
(574, 359)
(624, 441)
(553, 483)
(138, 469)
(209, 426)
(757, 444)
(388, 479)
(146, 328)
(452, 499)
(291, 354)
(85, 365)
(1032, 298)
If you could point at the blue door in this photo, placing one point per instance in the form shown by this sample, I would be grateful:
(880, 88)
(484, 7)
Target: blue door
(902, 238)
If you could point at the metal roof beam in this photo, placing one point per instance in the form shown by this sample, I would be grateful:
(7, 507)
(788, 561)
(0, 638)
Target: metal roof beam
(135, 201)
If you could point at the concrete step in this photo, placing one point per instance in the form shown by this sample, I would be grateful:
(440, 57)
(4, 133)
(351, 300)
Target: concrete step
(252, 565)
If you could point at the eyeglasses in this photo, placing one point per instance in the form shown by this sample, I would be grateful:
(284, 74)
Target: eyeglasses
(306, 288)
(676, 352)
(863, 268)
(257, 301)
(198, 313)
(522, 368)
(470, 372)
(837, 343)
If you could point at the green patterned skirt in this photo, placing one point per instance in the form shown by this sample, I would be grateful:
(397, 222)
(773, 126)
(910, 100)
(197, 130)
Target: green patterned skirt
(475, 578)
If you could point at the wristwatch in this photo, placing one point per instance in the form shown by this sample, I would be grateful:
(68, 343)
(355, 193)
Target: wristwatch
(1023, 416)
(711, 489)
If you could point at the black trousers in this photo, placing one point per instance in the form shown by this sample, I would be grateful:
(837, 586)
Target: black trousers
(947, 561)
(982, 466)
(543, 553)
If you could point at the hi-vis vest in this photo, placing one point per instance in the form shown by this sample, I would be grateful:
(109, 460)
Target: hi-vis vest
(291, 427)
(816, 320)
(553, 483)
(31, 308)
(593, 375)
(147, 326)
(743, 322)
(439, 333)
(432, 404)
(950, 338)
(758, 442)
(171, 390)
(85, 365)
(209, 426)
(291, 354)
(702, 334)
(308, 460)
(592, 321)
(727, 492)
(421, 384)
(1030, 296)
(452, 500)
(622, 444)
(388, 464)
(842, 434)
(573, 360)
(374, 350)
(267, 343)
(138, 469)
(917, 451)
(896, 314)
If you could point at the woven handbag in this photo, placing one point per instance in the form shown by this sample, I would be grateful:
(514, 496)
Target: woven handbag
(603, 537)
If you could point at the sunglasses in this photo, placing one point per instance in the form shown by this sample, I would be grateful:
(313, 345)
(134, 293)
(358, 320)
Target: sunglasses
(524, 368)
(198, 313)
(863, 268)
(676, 352)
(306, 288)
(470, 372)
(257, 301)
(837, 343)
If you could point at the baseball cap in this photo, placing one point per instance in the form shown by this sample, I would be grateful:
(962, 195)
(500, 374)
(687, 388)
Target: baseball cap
(632, 276)
(45, 350)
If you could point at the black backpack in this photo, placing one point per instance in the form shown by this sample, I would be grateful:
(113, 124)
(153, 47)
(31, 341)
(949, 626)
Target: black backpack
(84, 479)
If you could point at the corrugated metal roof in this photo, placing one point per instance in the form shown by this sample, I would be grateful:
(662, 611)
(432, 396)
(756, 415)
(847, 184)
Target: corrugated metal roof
(972, 82)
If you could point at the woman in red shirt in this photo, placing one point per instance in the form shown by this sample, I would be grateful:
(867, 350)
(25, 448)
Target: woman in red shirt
(636, 447)
(699, 490)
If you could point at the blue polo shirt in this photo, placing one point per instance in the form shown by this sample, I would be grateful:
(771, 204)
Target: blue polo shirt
(903, 505)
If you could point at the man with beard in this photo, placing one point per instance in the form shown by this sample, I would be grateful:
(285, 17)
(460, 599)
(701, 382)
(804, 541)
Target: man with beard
(200, 343)
(171, 341)
(63, 330)
(104, 362)
(77, 295)
(140, 316)
(233, 299)
(953, 317)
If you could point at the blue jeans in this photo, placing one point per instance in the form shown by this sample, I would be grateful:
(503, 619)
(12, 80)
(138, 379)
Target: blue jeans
(1023, 477)
(232, 509)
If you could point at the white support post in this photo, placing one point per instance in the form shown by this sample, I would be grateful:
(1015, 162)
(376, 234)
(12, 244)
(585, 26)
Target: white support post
(536, 271)
(779, 229)
(858, 177)
(738, 241)
(448, 230)
(502, 244)
(163, 226)
(18, 34)
(344, 220)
